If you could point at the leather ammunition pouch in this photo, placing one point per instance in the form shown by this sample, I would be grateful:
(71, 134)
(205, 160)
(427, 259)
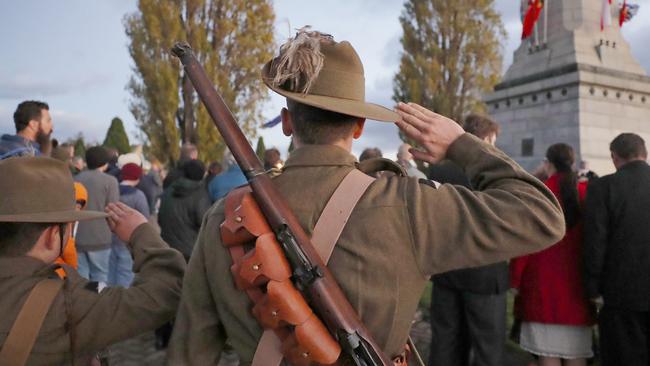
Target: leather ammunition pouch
(265, 274)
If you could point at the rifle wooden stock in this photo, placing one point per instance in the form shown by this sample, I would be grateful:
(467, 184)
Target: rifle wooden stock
(319, 286)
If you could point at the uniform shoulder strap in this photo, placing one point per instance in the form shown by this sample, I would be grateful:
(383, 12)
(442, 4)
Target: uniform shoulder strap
(337, 211)
(326, 233)
(22, 336)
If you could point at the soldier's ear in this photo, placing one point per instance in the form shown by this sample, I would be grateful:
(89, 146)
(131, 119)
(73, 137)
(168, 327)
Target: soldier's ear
(287, 122)
(52, 238)
(358, 129)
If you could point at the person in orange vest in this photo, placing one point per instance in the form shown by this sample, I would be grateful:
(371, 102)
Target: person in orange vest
(69, 255)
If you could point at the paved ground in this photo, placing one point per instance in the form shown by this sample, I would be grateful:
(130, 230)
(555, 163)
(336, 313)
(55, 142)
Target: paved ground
(140, 351)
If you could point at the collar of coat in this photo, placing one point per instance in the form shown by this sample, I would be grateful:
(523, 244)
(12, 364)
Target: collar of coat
(320, 155)
(633, 164)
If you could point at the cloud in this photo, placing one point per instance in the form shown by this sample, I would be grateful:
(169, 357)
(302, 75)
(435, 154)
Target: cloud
(68, 124)
(6, 120)
(30, 86)
(636, 32)
(379, 134)
(392, 51)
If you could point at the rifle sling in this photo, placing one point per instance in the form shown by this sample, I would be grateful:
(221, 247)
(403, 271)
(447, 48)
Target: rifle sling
(22, 336)
(326, 233)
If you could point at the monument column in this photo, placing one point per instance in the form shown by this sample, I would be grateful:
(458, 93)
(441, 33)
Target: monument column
(571, 82)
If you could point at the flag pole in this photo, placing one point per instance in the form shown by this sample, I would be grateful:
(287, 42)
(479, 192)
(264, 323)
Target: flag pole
(536, 35)
(545, 19)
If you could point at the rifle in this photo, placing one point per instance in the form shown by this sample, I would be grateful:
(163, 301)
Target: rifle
(309, 274)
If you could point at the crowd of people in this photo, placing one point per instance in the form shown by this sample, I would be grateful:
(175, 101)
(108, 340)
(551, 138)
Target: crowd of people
(574, 250)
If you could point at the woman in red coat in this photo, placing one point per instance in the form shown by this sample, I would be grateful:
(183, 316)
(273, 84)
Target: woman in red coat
(557, 318)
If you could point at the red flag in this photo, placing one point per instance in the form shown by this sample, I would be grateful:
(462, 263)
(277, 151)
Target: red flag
(532, 14)
(623, 14)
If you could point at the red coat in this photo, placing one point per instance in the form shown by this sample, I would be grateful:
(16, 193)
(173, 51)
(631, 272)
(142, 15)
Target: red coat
(550, 282)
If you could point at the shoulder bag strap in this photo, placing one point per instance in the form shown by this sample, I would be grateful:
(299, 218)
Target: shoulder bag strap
(22, 336)
(326, 233)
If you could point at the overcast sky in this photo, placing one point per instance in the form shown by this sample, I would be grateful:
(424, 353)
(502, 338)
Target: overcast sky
(72, 54)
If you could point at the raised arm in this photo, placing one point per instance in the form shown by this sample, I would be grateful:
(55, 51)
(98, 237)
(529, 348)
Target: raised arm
(151, 300)
(511, 213)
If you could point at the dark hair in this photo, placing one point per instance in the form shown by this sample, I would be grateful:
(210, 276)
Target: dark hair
(194, 170)
(628, 146)
(562, 157)
(113, 153)
(271, 158)
(27, 111)
(215, 168)
(480, 126)
(370, 153)
(313, 125)
(18, 238)
(97, 156)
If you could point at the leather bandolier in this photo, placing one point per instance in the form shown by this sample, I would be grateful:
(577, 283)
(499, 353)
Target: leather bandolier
(261, 269)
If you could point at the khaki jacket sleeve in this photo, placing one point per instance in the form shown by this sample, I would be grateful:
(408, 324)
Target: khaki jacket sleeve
(114, 314)
(511, 213)
(198, 337)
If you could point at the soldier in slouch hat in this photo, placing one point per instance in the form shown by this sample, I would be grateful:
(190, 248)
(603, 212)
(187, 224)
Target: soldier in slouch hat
(48, 320)
(401, 231)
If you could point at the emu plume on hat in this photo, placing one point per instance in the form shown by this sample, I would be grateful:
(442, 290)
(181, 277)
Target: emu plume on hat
(315, 70)
(39, 190)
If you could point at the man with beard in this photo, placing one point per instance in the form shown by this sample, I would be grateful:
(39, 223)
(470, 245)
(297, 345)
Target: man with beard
(33, 129)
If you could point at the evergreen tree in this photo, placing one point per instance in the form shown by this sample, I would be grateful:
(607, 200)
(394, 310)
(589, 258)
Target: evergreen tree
(116, 137)
(231, 39)
(261, 148)
(451, 54)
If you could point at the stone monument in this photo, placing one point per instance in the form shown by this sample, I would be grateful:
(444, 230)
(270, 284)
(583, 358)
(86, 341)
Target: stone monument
(571, 82)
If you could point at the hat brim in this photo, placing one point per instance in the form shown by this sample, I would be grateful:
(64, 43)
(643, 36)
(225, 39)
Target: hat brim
(350, 107)
(54, 217)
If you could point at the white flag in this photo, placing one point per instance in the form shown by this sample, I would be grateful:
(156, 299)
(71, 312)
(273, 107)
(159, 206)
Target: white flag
(606, 14)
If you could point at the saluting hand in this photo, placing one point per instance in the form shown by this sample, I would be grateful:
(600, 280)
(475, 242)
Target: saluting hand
(123, 220)
(431, 131)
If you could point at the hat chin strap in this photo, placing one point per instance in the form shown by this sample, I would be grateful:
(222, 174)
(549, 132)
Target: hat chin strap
(62, 228)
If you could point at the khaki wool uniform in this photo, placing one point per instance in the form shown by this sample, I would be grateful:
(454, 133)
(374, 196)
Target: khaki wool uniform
(400, 233)
(82, 322)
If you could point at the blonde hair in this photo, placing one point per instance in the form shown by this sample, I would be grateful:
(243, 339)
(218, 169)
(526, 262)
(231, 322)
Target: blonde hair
(300, 60)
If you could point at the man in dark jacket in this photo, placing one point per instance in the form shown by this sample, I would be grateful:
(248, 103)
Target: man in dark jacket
(468, 306)
(617, 253)
(182, 207)
(188, 152)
